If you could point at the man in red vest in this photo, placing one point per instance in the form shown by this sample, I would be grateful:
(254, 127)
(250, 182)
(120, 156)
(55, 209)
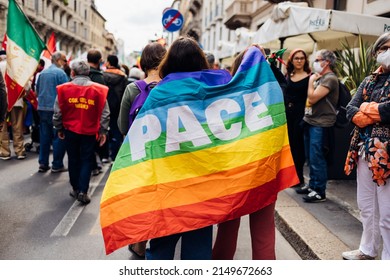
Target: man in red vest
(81, 116)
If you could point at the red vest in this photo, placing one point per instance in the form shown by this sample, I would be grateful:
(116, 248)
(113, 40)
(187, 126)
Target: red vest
(82, 106)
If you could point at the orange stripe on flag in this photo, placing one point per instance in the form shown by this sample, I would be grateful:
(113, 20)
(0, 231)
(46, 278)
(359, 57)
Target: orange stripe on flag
(177, 193)
(163, 222)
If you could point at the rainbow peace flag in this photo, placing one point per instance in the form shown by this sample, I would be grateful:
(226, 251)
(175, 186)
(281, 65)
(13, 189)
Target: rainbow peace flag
(204, 149)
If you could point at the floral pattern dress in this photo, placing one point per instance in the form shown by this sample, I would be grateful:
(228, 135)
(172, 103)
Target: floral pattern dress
(372, 141)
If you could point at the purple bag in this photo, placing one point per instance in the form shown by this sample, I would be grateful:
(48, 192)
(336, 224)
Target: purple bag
(139, 100)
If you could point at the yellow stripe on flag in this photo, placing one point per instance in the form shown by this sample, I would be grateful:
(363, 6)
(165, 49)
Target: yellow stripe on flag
(194, 190)
(172, 169)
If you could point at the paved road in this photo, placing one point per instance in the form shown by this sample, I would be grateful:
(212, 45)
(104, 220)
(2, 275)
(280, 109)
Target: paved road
(41, 221)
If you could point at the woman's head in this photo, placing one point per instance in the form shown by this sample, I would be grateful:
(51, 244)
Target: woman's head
(184, 55)
(381, 44)
(325, 60)
(151, 56)
(381, 50)
(297, 60)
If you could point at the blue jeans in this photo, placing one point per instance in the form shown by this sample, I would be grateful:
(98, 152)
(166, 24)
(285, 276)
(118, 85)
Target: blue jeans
(80, 149)
(314, 147)
(47, 137)
(195, 245)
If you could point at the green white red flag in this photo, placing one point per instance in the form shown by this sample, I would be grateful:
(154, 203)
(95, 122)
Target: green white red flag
(24, 48)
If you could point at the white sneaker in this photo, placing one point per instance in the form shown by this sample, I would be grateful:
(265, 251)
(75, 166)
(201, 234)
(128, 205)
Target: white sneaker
(356, 255)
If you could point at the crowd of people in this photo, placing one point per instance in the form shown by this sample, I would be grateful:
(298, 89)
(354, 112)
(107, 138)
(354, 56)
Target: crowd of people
(86, 116)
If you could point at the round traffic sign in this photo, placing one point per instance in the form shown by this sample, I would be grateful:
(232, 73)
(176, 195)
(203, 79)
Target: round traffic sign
(172, 20)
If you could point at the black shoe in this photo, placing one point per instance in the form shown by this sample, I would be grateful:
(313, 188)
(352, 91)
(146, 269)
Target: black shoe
(314, 197)
(304, 190)
(74, 194)
(83, 198)
(43, 168)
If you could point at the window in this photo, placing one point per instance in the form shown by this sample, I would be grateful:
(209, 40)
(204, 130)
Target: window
(75, 5)
(340, 5)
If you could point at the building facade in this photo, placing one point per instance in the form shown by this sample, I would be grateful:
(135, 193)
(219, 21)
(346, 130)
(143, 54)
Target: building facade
(77, 24)
(227, 26)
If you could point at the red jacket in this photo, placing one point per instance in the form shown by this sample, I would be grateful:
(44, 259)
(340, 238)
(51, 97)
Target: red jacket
(82, 106)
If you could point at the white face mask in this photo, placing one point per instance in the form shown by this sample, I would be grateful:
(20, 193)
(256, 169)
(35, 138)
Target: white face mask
(384, 59)
(317, 67)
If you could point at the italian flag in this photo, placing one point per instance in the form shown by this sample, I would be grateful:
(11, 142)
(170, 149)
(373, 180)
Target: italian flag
(24, 47)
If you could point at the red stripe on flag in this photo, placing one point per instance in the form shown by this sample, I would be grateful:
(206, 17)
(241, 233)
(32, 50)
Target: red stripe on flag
(4, 43)
(14, 91)
(164, 222)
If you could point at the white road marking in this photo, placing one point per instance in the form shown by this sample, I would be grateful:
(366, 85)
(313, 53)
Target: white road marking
(67, 222)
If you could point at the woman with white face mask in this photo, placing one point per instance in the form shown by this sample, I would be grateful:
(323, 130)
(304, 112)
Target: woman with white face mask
(319, 118)
(369, 152)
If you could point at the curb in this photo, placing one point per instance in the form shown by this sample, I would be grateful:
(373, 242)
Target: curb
(308, 236)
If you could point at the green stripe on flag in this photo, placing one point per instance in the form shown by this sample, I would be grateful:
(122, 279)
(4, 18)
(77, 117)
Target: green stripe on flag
(156, 149)
(19, 30)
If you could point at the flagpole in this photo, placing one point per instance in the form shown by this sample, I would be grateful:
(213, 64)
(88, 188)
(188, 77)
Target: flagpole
(32, 25)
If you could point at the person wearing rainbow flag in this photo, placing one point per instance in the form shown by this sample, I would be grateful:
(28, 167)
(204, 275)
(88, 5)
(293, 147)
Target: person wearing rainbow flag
(204, 148)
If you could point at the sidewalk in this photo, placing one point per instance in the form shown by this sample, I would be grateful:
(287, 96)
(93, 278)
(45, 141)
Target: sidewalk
(321, 230)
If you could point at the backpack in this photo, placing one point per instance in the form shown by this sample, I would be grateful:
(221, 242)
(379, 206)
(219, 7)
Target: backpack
(341, 107)
(139, 100)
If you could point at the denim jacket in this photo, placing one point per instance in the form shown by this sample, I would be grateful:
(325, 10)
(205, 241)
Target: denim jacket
(46, 86)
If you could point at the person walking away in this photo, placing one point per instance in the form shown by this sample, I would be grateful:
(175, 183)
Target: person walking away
(151, 57)
(295, 95)
(369, 152)
(184, 55)
(46, 85)
(322, 97)
(16, 117)
(94, 58)
(81, 115)
(116, 81)
(261, 222)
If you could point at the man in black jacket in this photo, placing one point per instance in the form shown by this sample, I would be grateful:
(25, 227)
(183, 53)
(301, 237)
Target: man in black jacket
(94, 58)
(116, 80)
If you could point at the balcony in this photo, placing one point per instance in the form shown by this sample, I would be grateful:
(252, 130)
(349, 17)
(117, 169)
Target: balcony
(238, 14)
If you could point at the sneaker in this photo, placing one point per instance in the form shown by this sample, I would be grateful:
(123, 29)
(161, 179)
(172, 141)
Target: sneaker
(43, 168)
(313, 196)
(62, 169)
(5, 157)
(74, 194)
(20, 157)
(83, 198)
(356, 255)
(304, 190)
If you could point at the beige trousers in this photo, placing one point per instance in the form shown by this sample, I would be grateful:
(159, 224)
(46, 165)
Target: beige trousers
(16, 117)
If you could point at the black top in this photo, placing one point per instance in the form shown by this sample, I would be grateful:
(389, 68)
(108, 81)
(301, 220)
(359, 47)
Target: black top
(295, 96)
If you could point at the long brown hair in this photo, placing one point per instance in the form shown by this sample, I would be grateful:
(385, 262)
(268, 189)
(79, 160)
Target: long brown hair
(290, 66)
(184, 55)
